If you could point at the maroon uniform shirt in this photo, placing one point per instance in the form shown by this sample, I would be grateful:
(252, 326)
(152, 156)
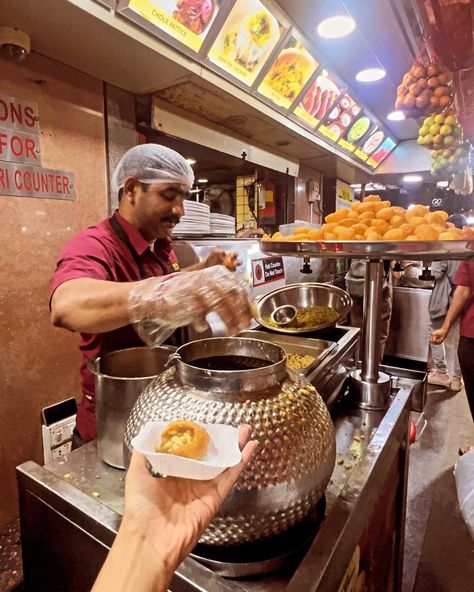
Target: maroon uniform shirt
(465, 277)
(99, 252)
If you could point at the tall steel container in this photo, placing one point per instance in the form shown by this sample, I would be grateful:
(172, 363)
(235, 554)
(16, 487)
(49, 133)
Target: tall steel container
(120, 377)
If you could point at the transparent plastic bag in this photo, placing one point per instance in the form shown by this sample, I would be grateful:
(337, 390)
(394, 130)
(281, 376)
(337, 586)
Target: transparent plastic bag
(158, 307)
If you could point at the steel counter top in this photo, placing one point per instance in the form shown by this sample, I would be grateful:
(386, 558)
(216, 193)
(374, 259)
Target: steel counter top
(367, 442)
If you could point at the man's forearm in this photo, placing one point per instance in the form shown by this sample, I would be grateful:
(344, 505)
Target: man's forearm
(132, 565)
(91, 306)
(460, 298)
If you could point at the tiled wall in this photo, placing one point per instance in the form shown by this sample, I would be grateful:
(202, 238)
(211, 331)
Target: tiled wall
(39, 364)
(243, 214)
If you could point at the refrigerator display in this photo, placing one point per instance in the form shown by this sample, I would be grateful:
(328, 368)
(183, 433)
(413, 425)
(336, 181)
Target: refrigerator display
(246, 40)
(381, 153)
(289, 73)
(318, 100)
(188, 21)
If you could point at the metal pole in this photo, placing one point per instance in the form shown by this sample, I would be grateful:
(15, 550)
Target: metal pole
(371, 348)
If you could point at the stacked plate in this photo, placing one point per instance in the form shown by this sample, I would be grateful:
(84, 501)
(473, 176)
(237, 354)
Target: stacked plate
(222, 224)
(196, 220)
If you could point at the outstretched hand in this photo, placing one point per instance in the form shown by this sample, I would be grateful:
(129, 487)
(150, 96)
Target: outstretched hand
(439, 335)
(174, 512)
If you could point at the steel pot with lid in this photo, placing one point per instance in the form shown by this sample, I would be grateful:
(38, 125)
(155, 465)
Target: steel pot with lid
(239, 381)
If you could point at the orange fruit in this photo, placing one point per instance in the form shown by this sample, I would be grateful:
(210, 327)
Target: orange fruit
(396, 221)
(337, 216)
(372, 235)
(370, 198)
(344, 233)
(426, 232)
(406, 228)
(418, 210)
(416, 221)
(433, 218)
(359, 229)
(328, 227)
(347, 222)
(384, 214)
(365, 207)
(366, 216)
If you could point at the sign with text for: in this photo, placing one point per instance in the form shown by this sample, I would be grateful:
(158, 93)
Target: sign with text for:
(267, 270)
(21, 147)
(34, 181)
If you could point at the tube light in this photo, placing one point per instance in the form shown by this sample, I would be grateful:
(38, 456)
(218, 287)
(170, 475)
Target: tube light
(412, 179)
(203, 180)
(190, 161)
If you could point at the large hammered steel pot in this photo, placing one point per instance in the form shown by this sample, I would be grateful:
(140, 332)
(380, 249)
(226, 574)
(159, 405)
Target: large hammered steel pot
(239, 381)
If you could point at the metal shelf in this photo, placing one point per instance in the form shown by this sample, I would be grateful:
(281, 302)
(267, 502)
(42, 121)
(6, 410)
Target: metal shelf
(375, 250)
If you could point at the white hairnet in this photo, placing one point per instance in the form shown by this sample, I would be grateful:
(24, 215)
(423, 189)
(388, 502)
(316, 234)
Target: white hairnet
(152, 163)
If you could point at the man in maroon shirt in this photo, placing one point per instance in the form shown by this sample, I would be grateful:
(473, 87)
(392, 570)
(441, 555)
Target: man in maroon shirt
(100, 265)
(462, 305)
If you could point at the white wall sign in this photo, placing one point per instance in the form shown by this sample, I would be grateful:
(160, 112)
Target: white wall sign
(18, 114)
(35, 181)
(21, 147)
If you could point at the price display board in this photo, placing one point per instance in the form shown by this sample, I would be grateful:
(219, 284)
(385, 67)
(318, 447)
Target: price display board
(288, 74)
(318, 100)
(246, 40)
(187, 21)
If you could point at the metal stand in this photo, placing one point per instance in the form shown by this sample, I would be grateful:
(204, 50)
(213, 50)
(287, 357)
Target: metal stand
(371, 386)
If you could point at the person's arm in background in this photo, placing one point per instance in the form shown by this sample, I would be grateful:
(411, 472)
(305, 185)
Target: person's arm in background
(163, 520)
(460, 298)
(438, 269)
(216, 257)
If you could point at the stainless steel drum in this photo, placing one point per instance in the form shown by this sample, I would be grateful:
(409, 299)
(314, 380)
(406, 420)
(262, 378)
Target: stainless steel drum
(239, 381)
(302, 296)
(120, 376)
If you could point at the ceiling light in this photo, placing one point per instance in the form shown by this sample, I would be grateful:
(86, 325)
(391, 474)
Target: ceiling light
(335, 27)
(470, 220)
(412, 179)
(370, 75)
(442, 183)
(396, 116)
(190, 161)
(356, 186)
(203, 180)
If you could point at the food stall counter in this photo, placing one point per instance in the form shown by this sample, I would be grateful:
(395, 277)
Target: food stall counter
(71, 510)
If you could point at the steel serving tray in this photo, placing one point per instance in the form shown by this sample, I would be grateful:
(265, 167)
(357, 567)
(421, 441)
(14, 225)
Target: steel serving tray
(399, 250)
(317, 348)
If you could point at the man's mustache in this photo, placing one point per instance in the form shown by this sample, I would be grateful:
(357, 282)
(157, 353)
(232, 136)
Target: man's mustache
(171, 219)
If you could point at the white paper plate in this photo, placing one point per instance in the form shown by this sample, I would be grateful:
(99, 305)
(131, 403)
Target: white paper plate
(224, 452)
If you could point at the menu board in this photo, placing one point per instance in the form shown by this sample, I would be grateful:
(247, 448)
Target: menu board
(371, 143)
(381, 153)
(340, 118)
(245, 41)
(318, 100)
(188, 21)
(289, 73)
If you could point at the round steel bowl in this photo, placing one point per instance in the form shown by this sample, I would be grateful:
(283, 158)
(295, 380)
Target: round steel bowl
(302, 296)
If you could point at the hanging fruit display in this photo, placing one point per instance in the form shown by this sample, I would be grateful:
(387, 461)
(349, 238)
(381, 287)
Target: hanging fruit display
(425, 90)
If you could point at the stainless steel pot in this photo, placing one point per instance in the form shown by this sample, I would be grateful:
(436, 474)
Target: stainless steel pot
(239, 381)
(120, 376)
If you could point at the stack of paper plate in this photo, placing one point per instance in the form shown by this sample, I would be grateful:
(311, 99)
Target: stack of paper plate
(222, 224)
(196, 220)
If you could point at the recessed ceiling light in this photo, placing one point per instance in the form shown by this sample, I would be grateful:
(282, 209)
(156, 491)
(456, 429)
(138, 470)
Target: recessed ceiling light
(396, 116)
(335, 27)
(412, 179)
(370, 75)
(203, 180)
(442, 183)
(190, 161)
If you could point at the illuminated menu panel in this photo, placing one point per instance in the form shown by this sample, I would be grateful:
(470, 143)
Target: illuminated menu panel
(371, 143)
(289, 73)
(318, 100)
(340, 118)
(246, 40)
(381, 153)
(188, 21)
